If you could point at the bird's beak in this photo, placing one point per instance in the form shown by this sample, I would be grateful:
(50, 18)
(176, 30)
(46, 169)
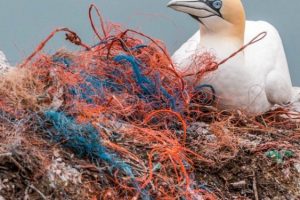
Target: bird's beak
(195, 8)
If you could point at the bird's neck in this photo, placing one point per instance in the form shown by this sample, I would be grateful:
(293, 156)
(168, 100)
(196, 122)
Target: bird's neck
(222, 43)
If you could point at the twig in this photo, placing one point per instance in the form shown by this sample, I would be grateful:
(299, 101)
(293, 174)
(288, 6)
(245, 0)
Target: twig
(8, 154)
(38, 191)
(254, 185)
(17, 164)
(26, 196)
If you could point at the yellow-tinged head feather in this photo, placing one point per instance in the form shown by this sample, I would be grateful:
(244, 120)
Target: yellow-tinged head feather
(234, 13)
(222, 17)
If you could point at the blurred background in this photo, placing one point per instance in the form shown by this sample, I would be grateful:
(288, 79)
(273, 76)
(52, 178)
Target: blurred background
(23, 24)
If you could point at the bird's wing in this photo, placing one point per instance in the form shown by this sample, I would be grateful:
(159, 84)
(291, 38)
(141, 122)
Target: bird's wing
(182, 56)
(267, 58)
(4, 65)
(268, 61)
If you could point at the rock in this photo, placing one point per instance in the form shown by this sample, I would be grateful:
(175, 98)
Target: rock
(201, 129)
(297, 167)
(249, 141)
(62, 173)
(279, 198)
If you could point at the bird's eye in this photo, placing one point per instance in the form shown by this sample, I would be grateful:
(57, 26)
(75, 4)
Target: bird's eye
(217, 4)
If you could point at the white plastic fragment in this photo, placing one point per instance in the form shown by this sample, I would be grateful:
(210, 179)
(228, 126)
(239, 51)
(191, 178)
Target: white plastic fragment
(4, 65)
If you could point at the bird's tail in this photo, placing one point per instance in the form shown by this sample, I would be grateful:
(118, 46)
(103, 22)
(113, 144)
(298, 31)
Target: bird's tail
(295, 94)
(295, 101)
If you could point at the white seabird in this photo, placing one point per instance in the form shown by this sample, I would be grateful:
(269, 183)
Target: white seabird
(255, 79)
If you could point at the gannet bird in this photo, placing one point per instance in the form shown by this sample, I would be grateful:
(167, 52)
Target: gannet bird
(255, 79)
(4, 65)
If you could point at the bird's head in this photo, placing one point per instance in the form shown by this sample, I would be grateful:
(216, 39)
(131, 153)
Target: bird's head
(222, 16)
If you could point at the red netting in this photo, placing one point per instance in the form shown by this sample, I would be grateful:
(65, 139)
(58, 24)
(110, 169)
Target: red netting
(127, 84)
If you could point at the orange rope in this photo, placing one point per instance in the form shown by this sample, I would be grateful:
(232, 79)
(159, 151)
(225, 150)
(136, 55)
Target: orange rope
(71, 36)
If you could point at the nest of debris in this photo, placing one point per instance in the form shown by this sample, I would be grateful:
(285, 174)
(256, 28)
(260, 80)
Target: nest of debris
(117, 121)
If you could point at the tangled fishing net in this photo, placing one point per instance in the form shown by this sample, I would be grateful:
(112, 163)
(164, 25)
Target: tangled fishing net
(125, 113)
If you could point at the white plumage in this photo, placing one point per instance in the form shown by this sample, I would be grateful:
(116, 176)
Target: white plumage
(254, 84)
(255, 79)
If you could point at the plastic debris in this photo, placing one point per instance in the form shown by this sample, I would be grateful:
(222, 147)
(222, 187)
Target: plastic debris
(279, 156)
(121, 105)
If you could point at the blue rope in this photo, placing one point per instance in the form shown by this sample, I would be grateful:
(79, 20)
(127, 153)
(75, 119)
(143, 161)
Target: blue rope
(81, 139)
(84, 141)
(137, 47)
(207, 101)
(147, 86)
(93, 88)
